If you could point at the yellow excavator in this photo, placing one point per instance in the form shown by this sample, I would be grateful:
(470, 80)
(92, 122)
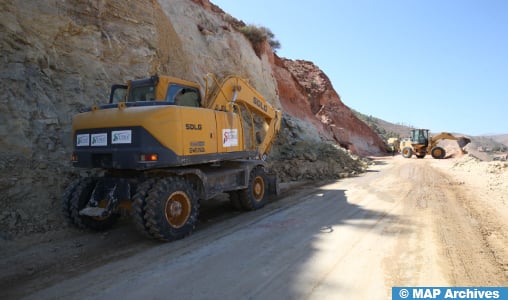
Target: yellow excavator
(163, 146)
(421, 143)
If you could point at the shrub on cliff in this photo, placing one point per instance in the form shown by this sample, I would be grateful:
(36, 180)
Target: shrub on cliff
(259, 34)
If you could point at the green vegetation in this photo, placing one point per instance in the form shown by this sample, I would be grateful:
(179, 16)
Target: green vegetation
(257, 35)
(378, 126)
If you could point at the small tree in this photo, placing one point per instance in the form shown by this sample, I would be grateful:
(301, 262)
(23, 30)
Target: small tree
(274, 44)
(258, 35)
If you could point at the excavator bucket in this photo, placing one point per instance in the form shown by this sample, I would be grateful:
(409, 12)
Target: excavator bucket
(463, 141)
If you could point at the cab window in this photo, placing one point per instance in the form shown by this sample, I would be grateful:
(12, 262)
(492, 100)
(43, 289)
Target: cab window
(118, 93)
(142, 93)
(183, 95)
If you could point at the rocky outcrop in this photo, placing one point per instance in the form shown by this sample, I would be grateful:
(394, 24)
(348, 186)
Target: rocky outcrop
(307, 93)
(61, 56)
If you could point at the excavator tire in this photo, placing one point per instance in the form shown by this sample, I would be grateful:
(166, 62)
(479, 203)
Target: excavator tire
(407, 152)
(254, 196)
(438, 153)
(66, 204)
(172, 209)
(139, 205)
(76, 197)
(234, 198)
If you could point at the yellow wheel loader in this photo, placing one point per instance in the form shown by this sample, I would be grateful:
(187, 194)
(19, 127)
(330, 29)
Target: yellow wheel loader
(421, 144)
(393, 144)
(163, 146)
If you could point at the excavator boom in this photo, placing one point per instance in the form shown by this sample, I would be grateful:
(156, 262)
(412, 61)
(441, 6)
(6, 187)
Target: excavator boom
(233, 93)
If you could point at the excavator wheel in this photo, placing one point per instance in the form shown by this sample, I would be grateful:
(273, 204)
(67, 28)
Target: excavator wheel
(172, 209)
(438, 153)
(76, 197)
(234, 198)
(139, 205)
(254, 196)
(66, 203)
(407, 152)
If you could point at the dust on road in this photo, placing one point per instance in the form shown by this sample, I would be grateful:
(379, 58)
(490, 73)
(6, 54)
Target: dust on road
(405, 222)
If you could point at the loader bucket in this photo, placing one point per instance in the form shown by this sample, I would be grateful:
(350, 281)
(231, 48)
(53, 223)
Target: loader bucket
(463, 141)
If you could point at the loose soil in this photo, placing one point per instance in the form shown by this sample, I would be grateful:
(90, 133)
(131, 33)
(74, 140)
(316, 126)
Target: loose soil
(404, 222)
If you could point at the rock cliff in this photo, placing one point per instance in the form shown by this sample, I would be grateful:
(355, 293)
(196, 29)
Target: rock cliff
(61, 56)
(307, 93)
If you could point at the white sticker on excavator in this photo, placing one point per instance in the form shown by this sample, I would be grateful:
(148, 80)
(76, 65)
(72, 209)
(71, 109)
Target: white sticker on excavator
(121, 137)
(229, 137)
(99, 139)
(82, 140)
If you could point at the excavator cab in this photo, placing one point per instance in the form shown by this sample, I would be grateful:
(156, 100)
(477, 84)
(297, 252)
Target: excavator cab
(136, 90)
(118, 93)
(157, 88)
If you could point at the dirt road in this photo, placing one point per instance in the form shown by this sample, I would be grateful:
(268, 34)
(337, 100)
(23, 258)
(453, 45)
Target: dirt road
(405, 222)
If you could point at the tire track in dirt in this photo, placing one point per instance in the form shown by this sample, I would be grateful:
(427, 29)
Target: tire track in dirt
(468, 258)
(487, 238)
(415, 259)
(450, 242)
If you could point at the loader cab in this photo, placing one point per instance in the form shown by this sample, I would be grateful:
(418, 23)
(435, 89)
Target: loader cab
(420, 136)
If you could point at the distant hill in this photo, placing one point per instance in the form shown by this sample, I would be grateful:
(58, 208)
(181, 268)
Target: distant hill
(500, 138)
(383, 128)
(491, 143)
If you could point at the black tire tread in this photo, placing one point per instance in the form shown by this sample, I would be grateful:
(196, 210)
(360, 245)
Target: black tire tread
(443, 153)
(409, 150)
(154, 211)
(66, 203)
(76, 202)
(139, 206)
(234, 199)
(246, 195)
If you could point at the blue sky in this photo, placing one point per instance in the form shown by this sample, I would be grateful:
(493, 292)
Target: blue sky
(441, 65)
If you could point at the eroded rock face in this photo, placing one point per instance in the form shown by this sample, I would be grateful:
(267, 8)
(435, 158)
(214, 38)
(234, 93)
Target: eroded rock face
(58, 57)
(307, 93)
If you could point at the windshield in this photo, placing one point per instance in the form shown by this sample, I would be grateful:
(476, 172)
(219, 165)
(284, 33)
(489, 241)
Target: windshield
(419, 136)
(118, 93)
(142, 93)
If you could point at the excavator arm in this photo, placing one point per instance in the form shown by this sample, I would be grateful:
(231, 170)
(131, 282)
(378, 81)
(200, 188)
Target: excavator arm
(234, 92)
